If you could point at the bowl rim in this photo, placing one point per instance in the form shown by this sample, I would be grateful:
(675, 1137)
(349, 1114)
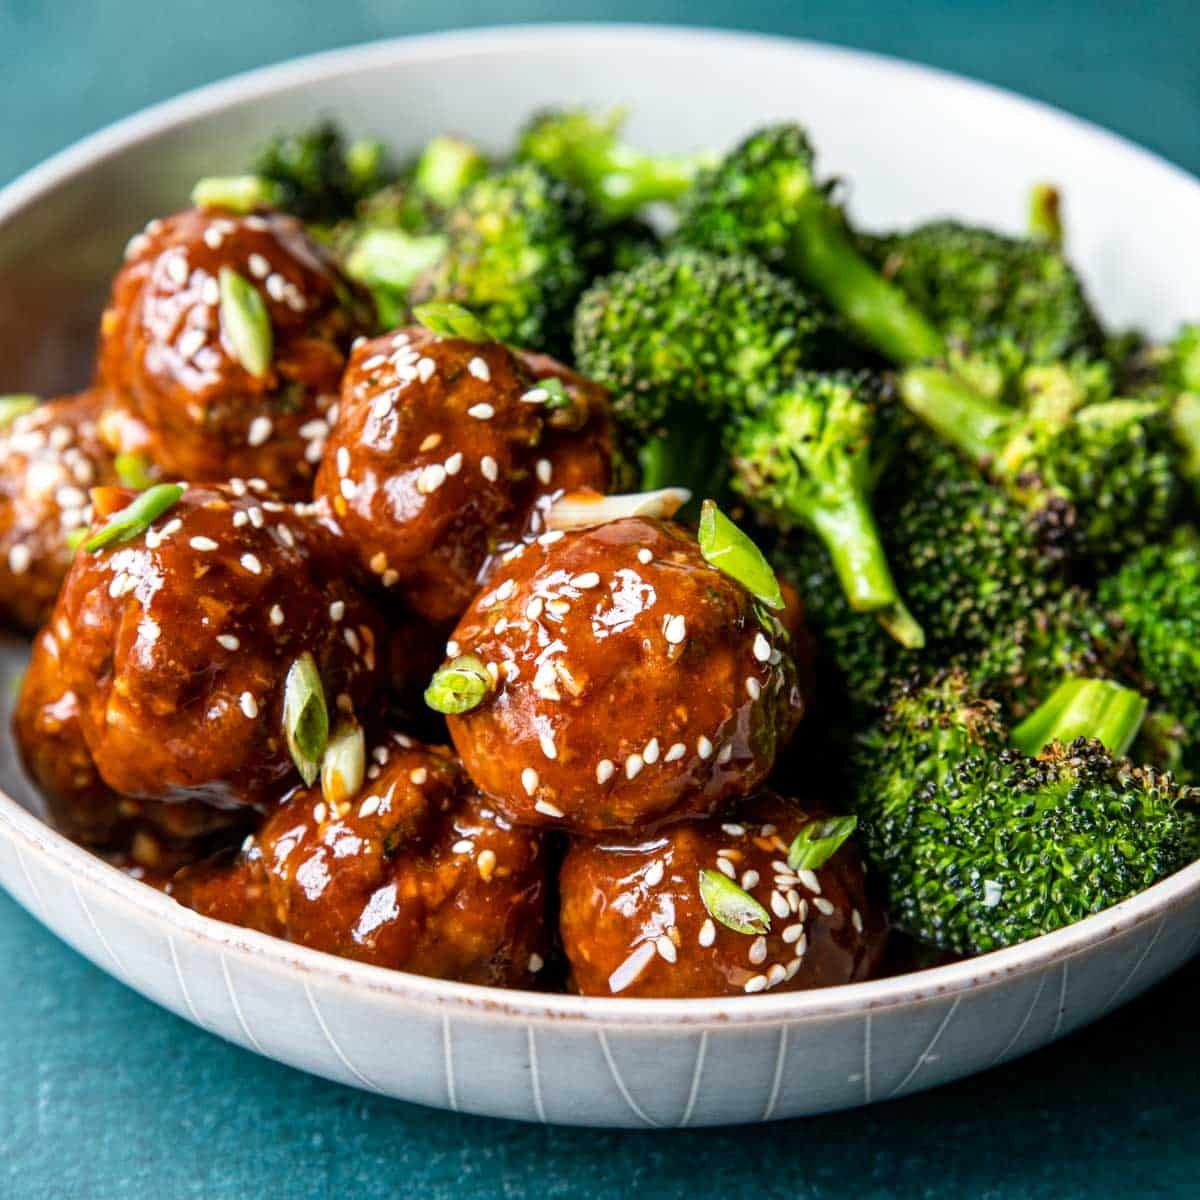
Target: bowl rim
(30, 834)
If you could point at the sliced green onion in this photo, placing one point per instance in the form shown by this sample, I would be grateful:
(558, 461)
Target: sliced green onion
(728, 549)
(452, 320)
(345, 762)
(16, 405)
(556, 394)
(305, 717)
(819, 841)
(459, 686)
(133, 470)
(246, 322)
(74, 539)
(731, 905)
(136, 517)
(237, 193)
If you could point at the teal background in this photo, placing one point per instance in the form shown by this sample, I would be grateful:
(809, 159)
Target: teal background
(103, 1095)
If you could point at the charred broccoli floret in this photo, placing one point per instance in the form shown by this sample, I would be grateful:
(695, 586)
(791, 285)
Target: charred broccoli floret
(586, 150)
(985, 845)
(522, 247)
(764, 199)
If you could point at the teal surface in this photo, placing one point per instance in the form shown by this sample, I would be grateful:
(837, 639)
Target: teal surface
(102, 1095)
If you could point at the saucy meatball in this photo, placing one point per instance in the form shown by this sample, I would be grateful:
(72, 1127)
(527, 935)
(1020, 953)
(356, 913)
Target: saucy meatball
(415, 873)
(49, 458)
(633, 683)
(633, 922)
(173, 345)
(177, 643)
(46, 725)
(442, 448)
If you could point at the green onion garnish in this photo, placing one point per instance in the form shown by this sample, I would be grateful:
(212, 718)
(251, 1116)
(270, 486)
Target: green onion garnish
(136, 517)
(459, 686)
(728, 549)
(731, 905)
(345, 762)
(245, 322)
(556, 393)
(819, 841)
(238, 193)
(74, 539)
(133, 470)
(16, 405)
(452, 320)
(305, 717)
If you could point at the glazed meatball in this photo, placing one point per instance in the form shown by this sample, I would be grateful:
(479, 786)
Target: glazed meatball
(633, 921)
(177, 643)
(441, 450)
(46, 724)
(415, 873)
(175, 354)
(634, 683)
(49, 458)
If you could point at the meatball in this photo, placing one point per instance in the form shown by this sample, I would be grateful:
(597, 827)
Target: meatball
(415, 873)
(175, 354)
(177, 643)
(46, 725)
(633, 682)
(441, 450)
(633, 922)
(49, 458)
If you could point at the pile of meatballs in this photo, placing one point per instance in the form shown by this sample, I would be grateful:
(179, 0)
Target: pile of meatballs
(386, 509)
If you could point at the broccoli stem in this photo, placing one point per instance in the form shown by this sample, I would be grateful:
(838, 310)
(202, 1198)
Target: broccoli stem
(852, 539)
(1090, 708)
(979, 427)
(1045, 214)
(823, 255)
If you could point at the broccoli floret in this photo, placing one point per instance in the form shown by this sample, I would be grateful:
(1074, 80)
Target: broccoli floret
(1103, 471)
(522, 247)
(802, 457)
(764, 199)
(1157, 594)
(447, 167)
(984, 845)
(586, 150)
(1001, 303)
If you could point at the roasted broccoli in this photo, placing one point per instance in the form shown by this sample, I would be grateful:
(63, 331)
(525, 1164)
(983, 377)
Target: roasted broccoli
(764, 199)
(985, 845)
(586, 150)
(522, 247)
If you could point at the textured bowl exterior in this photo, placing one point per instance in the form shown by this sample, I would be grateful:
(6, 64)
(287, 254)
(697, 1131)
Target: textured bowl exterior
(917, 144)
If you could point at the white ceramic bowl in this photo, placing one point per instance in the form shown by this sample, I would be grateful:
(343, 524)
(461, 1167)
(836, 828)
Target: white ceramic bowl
(916, 143)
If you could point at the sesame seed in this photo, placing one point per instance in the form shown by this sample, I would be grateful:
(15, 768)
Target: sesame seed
(810, 880)
(378, 563)
(704, 747)
(256, 517)
(431, 478)
(536, 963)
(479, 369)
(248, 705)
(529, 780)
(319, 812)
(758, 951)
(463, 846)
(628, 972)
(633, 766)
(544, 470)
(251, 563)
(604, 770)
(349, 489)
(488, 468)
(549, 749)
(548, 809)
(665, 948)
(259, 267)
(418, 775)
(675, 629)
(533, 609)
(589, 579)
(550, 537)
(203, 544)
(823, 906)
(727, 867)
(390, 578)
(857, 921)
(275, 616)
(676, 752)
(260, 431)
(482, 411)
(454, 463)
(708, 933)
(19, 558)
(177, 270)
(644, 556)
(452, 649)
(228, 641)
(756, 983)
(425, 368)
(779, 905)
(337, 610)
(762, 648)
(485, 864)
(654, 873)
(369, 807)
(210, 292)
(776, 974)
(749, 879)
(506, 590)
(191, 342)
(734, 830)
(432, 442)
(753, 688)
(535, 395)
(726, 753)
(793, 933)
(351, 639)
(650, 753)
